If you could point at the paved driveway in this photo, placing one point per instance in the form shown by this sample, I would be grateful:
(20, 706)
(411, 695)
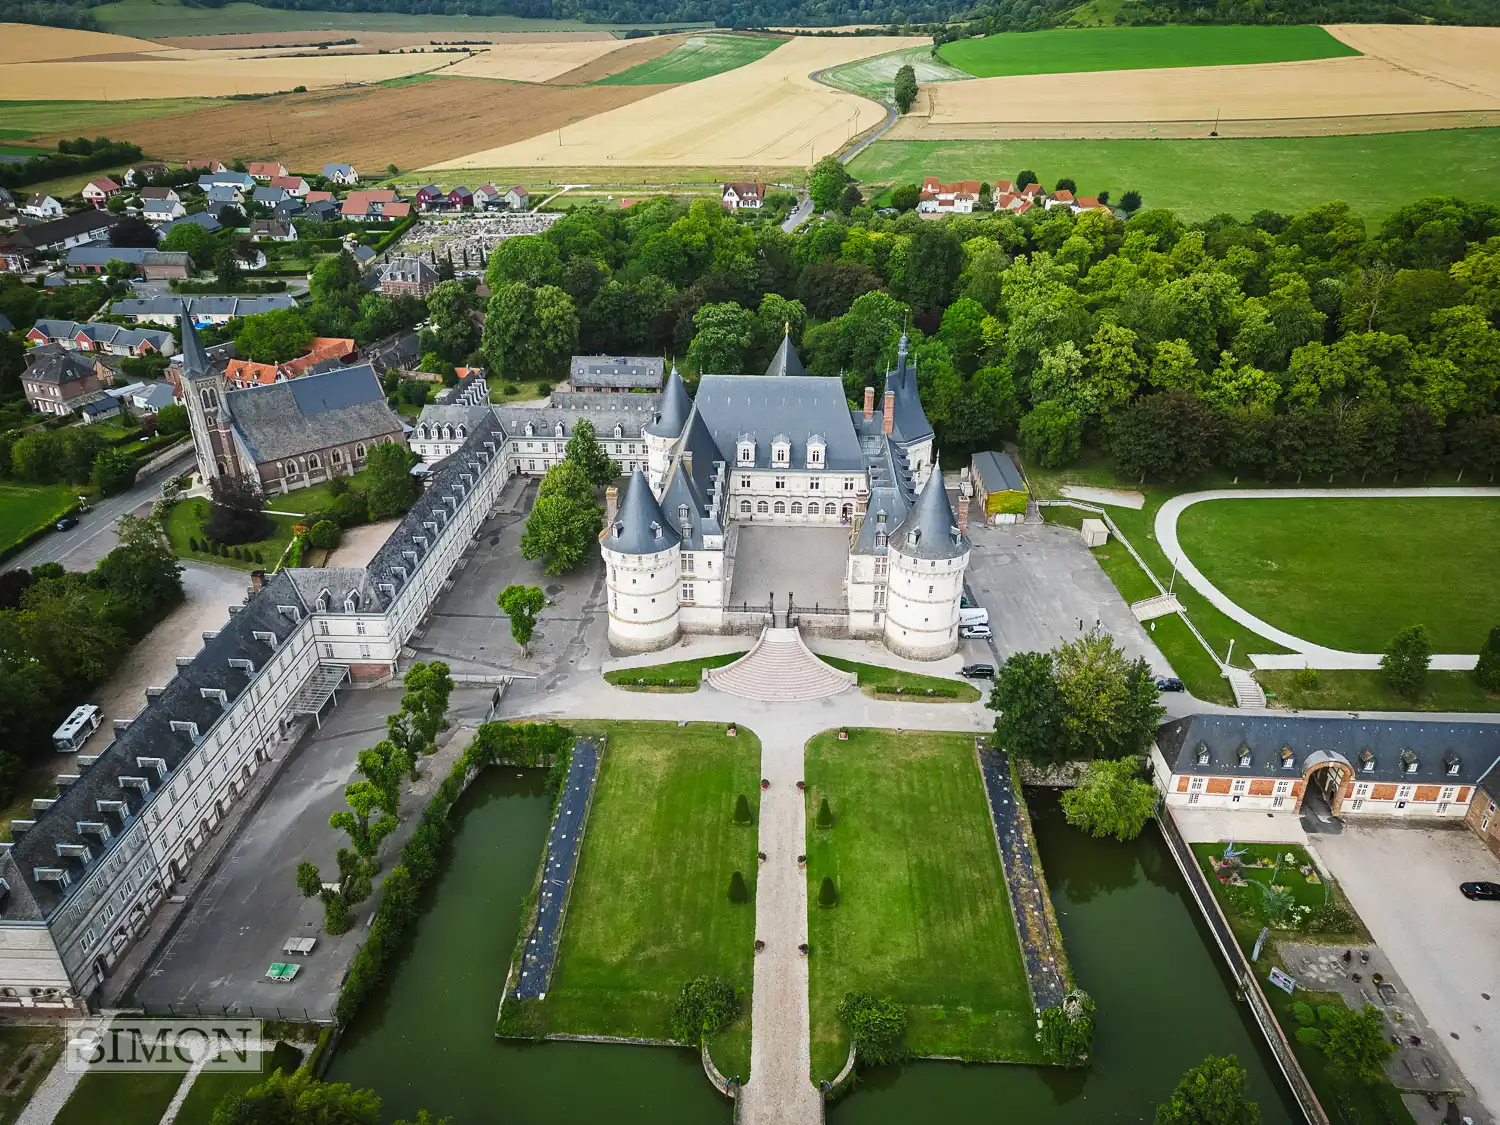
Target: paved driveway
(1404, 883)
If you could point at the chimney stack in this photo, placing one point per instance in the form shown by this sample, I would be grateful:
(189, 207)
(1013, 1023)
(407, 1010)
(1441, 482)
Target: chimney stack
(611, 504)
(888, 423)
(869, 403)
(963, 512)
(257, 580)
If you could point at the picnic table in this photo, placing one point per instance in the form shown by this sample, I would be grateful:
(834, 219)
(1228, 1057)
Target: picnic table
(281, 973)
(299, 946)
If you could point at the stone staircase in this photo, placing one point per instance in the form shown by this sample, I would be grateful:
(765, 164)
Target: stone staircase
(779, 669)
(1248, 695)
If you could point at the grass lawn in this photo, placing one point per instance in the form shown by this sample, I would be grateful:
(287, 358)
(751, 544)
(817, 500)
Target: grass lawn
(650, 907)
(184, 522)
(1065, 50)
(314, 497)
(26, 507)
(1201, 178)
(699, 57)
(13, 1041)
(876, 77)
(1261, 866)
(1350, 573)
(212, 1087)
(677, 677)
(1351, 690)
(923, 915)
(120, 1098)
(893, 683)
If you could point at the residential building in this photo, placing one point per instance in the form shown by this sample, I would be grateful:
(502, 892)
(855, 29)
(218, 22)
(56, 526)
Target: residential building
(1062, 197)
(340, 174)
(153, 265)
(1002, 187)
(240, 181)
(999, 490)
(138, 174)
(202, 310)
(292, 185)
(205, 219)
(940, 198)
(517, 198)
(323, 354)
(1347, 767)
(374, 206)
(268, 196)
(206, 165)
(99, 190)
(161, 206)
(411, 276)
(1484, 810)
(737, 196)
(265, 170)
(19, 247)
(272, 230)
(97, 407)
(321, 210)
(1089, 203)
(488, 198)
(460, 198)
(223, 196)
(42, 207)
(56, 379)
(144, 397)
(611, 373)
(109, 339)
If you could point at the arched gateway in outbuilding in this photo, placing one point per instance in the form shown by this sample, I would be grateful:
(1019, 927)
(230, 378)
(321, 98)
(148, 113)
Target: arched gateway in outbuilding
(1323, 776)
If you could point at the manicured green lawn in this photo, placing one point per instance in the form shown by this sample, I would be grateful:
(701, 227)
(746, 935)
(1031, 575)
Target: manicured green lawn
(699, 57)
(185, 522)
(1352, 690)
(1350, 573)
(650, 906)
(26, 507)
(1066, 50)
(120, 1098)
(678, 676)
(313, 498)
(1201, 178)
(893, 683)
(212, 1087)
(923, 915)
(876, 77)
(13, 1041)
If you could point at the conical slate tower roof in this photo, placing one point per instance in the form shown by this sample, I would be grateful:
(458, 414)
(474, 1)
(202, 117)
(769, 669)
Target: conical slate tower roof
(786, 361)
(911, 422)
(672, 412)
(930, 530)
(194, 359)
(639, 527)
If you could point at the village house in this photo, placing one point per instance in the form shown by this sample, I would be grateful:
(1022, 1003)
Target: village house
(460, 198)
(292, 185)
(8, 216)
(240, 181)
(323, 354)
(109, 339)
(202, 310)
(272, 230)
(19, 247)
(99, 191)
(374, 206)
(1002, 187)
(487, 197)
(1062, 197)
(57, 379)
(517, 198)
(266, 171)
(153, 265)
(744, 195)
(1015, 204)
(950, 199)
(267, 196)
(609, 374)
(205, 164)
(138, 174)
(204, 219)
(340, 174)
(42, 207)
(1089, 203)
(223, 196)
(411, 276)
(1350, 767)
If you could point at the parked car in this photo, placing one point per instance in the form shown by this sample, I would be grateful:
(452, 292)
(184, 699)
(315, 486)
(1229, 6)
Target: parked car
(975, 632)
(977, 671)
(1481, 890)
(1169, 683)
(65, 523)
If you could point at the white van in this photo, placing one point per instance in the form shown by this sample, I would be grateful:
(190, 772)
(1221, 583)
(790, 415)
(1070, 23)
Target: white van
(973, 616)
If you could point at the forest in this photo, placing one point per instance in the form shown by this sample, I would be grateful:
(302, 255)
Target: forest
(1278, 347)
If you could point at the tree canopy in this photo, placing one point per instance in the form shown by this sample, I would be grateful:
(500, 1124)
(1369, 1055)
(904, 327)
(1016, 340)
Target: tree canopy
(1212, 1093)
(1112, 800)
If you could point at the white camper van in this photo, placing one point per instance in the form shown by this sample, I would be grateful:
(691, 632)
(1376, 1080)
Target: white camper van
(973, 616)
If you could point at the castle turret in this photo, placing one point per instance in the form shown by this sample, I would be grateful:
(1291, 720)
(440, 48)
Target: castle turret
(928, 556)
(642, 562)
(662, 432)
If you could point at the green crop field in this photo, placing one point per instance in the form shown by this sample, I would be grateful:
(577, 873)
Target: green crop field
(1067, 50)
(1350, 573)
(650, 907)
(699, 57)
(922, 916)
(875, 77)
(25, 119)
(1201, 178)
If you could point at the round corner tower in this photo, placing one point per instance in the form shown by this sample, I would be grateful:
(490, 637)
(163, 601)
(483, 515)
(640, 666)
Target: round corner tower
(642, 563)
(929, 555)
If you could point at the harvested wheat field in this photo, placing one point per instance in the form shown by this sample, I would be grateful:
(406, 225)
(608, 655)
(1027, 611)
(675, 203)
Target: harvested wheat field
(380, 40)
(1468, 57)
(409, 125)
(1360, 94)
(631, 53)
(534, 62)
(25, 42)
(768, 112)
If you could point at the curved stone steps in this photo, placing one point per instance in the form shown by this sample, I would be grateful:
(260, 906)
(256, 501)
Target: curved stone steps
(780, 669)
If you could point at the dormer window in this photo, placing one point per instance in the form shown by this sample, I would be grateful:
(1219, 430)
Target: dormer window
(1408, 760)
(745, 450)
(1287, 758)
(781, 450)
(682, 513)
(557, 430)
(816, 451)
(1367, 760)
(1201, 756)
(619, 430)
(1244, 756)
(1451, 763)
(530, 429)
(881, 539)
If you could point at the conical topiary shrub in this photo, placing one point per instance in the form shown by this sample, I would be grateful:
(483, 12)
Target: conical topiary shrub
(192, 544)
(828, 894)
(742, 810)
(825, 814)
(738, 891)
(258, 558)
(239, 554)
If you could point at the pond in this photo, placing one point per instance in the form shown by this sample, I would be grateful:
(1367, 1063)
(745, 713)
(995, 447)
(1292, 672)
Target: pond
(1132, 933)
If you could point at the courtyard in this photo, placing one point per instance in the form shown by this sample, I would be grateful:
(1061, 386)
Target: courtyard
(922, 915)
(809, 563)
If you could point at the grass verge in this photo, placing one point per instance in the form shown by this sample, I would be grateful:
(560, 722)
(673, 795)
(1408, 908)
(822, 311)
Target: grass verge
(650, 906)
(922, 915)
(13, 1041)
(893, 683)
(677, 677)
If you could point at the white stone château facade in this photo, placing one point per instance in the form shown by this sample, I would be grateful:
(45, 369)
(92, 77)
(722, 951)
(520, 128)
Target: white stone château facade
(784, 449)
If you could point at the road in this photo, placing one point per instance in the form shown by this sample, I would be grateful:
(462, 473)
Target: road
(799, 216)
(94, 537)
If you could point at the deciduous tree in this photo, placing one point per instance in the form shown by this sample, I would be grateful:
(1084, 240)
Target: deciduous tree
(1355, 1042)
(1406, 661)
(1112, 800)
(905, 87)
(1029, 709)
(521, 604)
(389, 487)
(583, 450)
(1215, 1092)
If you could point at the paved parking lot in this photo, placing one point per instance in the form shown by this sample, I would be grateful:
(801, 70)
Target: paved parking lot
(1404, 881)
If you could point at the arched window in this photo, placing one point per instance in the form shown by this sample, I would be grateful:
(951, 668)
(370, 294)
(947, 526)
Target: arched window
(222, 469)
(359, 451)
(288, 468)
(848, 510)
(209, 398)
(762, 508)
(313, 462)
(780, 508)
(796, 508)
(744, 507)
(338, 456)
(830, 510)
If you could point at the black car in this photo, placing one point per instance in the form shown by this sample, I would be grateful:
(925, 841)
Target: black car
(1169, 683)
(1481, 890)
(978, 671)
(65, 523)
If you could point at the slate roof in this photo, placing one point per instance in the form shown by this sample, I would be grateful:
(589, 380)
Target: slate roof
(930, 530)
(630, 372)
(1435, 746)
(332, 170)
(797, 406)
(639, 527)
(52, 363)
(786, 361)
(439, 414)
(694, 480)
(5, 324)
(149, 734)
(79, 256)
(202, 306)
(998, 473)
(411, 271)
(311, 413)
(270, 196)
(911, 424)
(110, 335)
(672, 412)
(55, 233)
(605, 410)
(201, 218)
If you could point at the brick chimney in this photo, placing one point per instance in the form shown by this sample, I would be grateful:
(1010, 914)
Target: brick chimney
(611, 505)
(888, 423)
(963, 512)
(869, 403)
(257, 580)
